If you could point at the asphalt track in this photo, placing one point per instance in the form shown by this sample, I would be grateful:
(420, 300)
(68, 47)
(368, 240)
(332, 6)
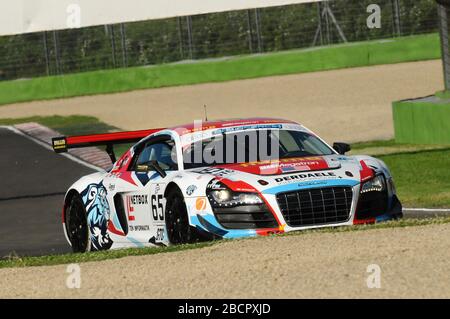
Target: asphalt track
(33, 180)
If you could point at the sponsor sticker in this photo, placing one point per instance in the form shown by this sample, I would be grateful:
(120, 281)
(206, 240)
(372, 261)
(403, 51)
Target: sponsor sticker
(135, 200)
(200, 203)
(287, 167)
(214, 184)
(191, 189)
(59, 144)
(305, 176)
(247, 127)
(139, 227)
(215, 171)
(305, 161)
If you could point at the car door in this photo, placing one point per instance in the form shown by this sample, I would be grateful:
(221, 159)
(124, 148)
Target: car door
(143, 206)
(136, 191)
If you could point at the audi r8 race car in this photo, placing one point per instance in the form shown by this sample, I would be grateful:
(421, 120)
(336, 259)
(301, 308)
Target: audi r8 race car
(221, 179)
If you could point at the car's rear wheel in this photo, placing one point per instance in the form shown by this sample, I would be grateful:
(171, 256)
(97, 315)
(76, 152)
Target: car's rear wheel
(77, 226)
(177, 221)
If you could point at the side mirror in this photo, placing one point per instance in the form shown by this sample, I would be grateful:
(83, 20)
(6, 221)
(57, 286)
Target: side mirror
(152, 166)
(158, 169)
(341, 148)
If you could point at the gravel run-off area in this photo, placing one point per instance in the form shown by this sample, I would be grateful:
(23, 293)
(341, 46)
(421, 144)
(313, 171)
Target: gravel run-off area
(414, 262)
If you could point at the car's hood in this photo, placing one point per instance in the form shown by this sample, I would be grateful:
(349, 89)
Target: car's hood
(285, 166)
(293, 172)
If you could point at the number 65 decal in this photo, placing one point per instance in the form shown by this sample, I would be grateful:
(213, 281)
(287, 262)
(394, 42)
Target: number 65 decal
(157, 207)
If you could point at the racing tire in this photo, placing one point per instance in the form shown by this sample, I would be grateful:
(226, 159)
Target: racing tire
(179, 231)
(77, 226)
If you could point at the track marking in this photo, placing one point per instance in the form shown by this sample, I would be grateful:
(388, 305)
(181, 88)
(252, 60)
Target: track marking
(429, 210)
(425, 212)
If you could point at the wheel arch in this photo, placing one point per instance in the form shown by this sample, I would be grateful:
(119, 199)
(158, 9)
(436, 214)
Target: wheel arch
(69, 196)
(171, 187)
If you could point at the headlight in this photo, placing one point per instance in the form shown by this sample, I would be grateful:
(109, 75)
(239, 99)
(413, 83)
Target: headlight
(222, 196)
(376, 184)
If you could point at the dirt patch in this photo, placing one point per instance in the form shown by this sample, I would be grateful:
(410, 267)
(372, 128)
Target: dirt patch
(349, 105)
(414, 263)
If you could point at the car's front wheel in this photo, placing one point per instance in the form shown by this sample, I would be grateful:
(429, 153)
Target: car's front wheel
(76, 225)
(177, 221)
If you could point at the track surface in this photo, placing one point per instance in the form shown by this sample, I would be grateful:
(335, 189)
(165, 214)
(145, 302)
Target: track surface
(33, 180)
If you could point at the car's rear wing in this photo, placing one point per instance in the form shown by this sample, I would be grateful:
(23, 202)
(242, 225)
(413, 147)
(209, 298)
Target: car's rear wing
(62, 144)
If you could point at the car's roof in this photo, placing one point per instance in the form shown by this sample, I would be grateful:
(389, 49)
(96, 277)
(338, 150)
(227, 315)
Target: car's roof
(206, 125)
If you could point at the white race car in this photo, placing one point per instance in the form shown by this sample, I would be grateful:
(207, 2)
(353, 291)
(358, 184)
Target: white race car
(221, 179)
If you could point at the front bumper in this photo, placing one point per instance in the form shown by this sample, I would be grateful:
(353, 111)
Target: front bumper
(359, 210)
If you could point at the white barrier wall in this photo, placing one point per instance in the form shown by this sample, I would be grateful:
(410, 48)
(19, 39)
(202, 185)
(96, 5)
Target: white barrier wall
(23, 16)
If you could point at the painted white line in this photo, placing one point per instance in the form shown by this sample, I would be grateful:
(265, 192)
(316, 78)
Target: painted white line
(429, 210)
(48, 147)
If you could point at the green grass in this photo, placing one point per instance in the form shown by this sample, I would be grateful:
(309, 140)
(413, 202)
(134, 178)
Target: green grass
(373, 144)
(422, 178)
(66, 125)
(377, 148)
(392, 144)
(445, 95)
(14, 261)
(421, 172)
(404, 49)
(71, 125)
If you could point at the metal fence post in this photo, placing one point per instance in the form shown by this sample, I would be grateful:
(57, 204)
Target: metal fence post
(394, 23)
(326, 12)
(250, 31)
(443, 13)
(180, 37)
(57, 57)
(396, 16)
(113, 44)
(319, 17)
(123, 38)
(46, 53)
(190, 37)
(258, 31)
(327, 22)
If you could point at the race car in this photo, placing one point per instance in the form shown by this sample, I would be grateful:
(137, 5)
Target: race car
(221, 179)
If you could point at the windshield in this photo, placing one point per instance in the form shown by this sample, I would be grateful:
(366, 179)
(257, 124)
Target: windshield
(252, 146)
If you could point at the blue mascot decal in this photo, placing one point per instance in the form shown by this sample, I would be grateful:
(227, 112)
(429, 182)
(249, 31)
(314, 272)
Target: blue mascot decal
(98, 214)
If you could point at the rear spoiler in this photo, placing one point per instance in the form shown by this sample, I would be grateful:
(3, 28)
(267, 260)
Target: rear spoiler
(62, 144)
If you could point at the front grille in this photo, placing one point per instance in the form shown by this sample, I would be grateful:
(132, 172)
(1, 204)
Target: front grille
(318, 206)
